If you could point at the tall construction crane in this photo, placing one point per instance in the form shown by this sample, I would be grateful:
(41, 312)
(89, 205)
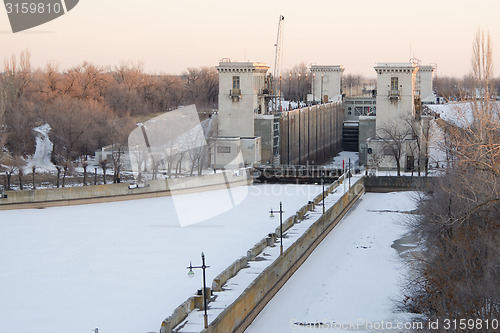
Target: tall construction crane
(277, 66)
(276, 94)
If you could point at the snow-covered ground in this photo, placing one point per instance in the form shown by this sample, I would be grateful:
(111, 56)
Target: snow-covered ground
(437, 151)
(121, 267)
(353, 276)
(343, 159)
(459, 114)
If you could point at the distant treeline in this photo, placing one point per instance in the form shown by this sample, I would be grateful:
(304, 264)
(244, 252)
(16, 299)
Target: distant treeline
(89, 106)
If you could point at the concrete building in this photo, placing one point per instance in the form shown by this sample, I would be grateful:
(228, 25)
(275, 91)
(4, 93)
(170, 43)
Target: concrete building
(264, 127)
(400, 128)
(246, 125)
(354, 107)
(396, 92)
(236, 152)
(241, 96)
(425, 83)
(366, 131)
(326, 83)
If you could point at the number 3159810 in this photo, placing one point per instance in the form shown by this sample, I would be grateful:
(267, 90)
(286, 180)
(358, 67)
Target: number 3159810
(33, 8)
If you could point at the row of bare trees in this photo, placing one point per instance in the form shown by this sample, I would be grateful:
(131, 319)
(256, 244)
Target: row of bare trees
(296, 83)
(459, 266)
(87, 106)
(457, 89)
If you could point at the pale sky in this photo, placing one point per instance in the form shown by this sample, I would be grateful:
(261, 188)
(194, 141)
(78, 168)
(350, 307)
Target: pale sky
(169, 36)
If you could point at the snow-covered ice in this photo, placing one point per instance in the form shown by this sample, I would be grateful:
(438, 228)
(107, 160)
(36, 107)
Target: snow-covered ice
(121, 267)
(354, 274)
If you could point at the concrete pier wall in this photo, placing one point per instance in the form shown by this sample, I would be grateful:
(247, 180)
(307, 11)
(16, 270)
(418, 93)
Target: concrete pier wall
(394, 183)
(312, 134)
(117, 192)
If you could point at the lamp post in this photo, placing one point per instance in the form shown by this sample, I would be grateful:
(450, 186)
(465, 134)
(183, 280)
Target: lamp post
(191, 274)
(323, 186)
(349, 173)
(290, 92)
(281, 224)
(299, 95)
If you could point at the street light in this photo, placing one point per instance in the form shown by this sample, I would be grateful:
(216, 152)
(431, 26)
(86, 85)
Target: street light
(191, 274)
(323, 186)
(299, 96)
(281, 224)
(349, 174)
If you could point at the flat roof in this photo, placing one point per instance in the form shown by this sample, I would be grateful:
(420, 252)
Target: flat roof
(394, 64)
(242, 64)
(326, 67)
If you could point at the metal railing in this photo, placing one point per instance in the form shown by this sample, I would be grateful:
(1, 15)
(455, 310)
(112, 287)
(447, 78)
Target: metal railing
(393, 93)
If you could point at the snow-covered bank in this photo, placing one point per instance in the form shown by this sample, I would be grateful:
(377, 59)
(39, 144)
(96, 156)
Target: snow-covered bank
(354, 274)
(121, 266)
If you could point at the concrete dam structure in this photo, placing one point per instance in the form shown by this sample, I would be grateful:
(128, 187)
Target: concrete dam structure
(311, 135)
(253, 130)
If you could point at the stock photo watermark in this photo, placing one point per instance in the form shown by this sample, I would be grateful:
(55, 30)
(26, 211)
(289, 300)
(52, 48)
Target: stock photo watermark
(408, 326)
(25, 14)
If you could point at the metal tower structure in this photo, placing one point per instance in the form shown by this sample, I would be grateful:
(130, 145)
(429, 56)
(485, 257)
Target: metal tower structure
(277, 66)
(277, 91)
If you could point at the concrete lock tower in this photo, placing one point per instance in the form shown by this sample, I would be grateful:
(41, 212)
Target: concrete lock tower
(241, 86)
(424, 78)
(396, 91)
(326, 83)
(242, 98)
(399, 123)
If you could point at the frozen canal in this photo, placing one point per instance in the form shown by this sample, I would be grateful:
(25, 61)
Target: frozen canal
(353, 276)
(121, 267)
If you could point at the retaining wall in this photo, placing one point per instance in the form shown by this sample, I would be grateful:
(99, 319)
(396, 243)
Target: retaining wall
(116, 192)
(394, 183)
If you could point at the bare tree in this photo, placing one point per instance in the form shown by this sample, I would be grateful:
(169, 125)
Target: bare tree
(85, 165)
(203, 86)
(19, 164)
(459, 219)
(3, 126)
(67, 169)
(8, 163)
(117, 163)
(33, 172)
(104, 166)
(420, 134)
(393, 140)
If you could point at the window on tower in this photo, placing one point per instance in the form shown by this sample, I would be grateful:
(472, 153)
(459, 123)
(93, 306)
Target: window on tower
(236, 82)
(394, 92)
